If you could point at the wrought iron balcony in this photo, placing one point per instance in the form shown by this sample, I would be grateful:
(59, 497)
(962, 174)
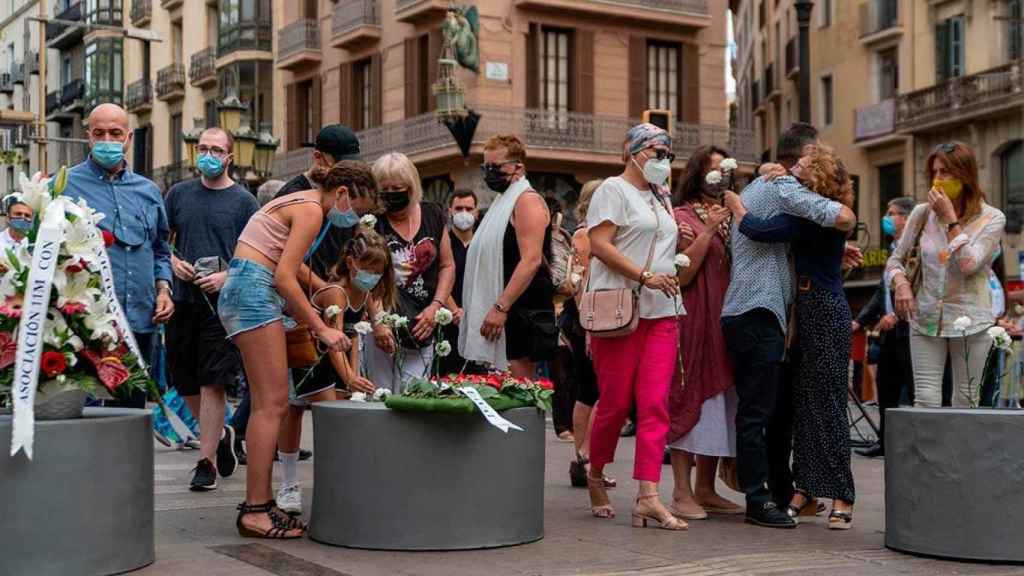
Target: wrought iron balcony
(877, 16)
(688, 13)
(793, 57)
(141, 12)
(355, 22)
(876, 120)
(248, 35)
(202, 69)
(298, 44)
(61, 37)
(171, 4)
(53, 103)
(72, 95)
(170, 82)
(139, 97)
(557, 132)
(960, 99)
(6, 83)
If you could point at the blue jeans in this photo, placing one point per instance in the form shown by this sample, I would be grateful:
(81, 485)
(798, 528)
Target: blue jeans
(248, 299)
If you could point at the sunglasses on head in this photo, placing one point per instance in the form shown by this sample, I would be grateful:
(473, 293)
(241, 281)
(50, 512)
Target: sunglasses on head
(947, 148)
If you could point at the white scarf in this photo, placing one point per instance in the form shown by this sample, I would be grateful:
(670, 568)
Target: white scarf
(485, 279)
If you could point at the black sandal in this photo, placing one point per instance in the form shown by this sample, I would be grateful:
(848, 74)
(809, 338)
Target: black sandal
(578, 473)
(281, 522)
(794, 511)
(840, 520)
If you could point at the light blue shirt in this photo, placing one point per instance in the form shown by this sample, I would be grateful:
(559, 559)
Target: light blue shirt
(140, 255)
(760, 276)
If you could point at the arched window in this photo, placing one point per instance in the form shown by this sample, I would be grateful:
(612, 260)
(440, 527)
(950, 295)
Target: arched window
(1011, 163)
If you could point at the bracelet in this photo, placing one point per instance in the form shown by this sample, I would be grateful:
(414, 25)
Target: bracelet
(500, 308)
(438, 302)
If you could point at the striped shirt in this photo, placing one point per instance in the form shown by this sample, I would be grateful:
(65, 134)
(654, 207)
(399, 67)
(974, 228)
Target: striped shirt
(761, 276)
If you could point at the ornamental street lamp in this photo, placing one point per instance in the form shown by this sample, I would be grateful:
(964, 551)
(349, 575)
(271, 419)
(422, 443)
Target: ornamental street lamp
(230, 112)
(191, 138)
(263, 159)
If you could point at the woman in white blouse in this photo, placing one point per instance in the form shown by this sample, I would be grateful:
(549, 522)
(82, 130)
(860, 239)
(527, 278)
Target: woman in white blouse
(627, 215)
(946, 296)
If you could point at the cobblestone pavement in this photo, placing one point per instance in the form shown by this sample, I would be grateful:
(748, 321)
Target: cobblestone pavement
(195, 534)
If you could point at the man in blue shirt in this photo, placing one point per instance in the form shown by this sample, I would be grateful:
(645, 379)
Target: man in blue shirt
(754, 322)
(140, 257)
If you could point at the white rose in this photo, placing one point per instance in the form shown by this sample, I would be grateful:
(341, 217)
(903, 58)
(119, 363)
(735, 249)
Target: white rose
(443, 316)
(363, 328)
(682, 261)
(714, 178)
(399, 321)
(332, 312)
(358, 397)
(380, 394)
(729, 164)
(369, 220)
(999, 337)
(443, 348)
(962, 323)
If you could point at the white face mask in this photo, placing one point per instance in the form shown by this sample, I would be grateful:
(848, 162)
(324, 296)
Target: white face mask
(463, 220)
(655, 171)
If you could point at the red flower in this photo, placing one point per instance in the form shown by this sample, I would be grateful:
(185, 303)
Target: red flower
(110, 369)
(546, 384)
(78, 266)
(8, 349)
(53, 363)
(72, 308)
(108, 238)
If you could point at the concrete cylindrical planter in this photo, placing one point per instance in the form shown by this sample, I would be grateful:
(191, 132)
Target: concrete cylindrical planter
(393, 480)
(953, 483)
(84, 503)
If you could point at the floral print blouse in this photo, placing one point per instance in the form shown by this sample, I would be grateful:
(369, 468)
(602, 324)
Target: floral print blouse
(954, 274)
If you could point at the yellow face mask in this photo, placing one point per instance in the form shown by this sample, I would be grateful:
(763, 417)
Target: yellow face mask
(951, 188)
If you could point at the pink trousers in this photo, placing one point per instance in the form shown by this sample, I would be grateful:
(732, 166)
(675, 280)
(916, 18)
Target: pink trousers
(635, 369)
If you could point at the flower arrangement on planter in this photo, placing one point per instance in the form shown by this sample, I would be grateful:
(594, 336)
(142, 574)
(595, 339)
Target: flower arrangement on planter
(85, 343)
(500, 390)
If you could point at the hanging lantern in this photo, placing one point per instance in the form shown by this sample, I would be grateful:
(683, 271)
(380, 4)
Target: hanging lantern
(266, 147)
(230, 112)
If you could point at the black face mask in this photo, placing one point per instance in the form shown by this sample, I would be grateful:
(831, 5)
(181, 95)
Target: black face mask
(395, 201)
(496, 180)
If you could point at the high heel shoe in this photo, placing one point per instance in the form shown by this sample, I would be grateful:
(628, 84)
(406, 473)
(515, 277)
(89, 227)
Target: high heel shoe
(808, 508)
(839, 520)
(600, 506)
(662, 518)
(578, 473)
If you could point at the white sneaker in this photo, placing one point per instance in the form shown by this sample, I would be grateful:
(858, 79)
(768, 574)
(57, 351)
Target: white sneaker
(289, 499)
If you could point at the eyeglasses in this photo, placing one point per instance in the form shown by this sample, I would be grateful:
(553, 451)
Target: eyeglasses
(215, 150)
(947, 148)
(495, 166)
(661, 154)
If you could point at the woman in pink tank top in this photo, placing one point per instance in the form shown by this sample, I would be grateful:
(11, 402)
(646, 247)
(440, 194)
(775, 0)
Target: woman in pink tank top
(264, 275)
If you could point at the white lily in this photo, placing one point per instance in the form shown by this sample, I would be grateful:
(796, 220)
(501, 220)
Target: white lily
(81, 240)
(962, 323)
(1000, 337)
(74, 288)
(35, 192)
(100, 322)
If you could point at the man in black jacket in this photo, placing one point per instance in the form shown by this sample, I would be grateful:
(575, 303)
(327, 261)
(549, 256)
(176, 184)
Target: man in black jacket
(894, 368)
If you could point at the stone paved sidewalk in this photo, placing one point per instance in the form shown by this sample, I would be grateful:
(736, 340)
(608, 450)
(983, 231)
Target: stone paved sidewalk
(196, 535)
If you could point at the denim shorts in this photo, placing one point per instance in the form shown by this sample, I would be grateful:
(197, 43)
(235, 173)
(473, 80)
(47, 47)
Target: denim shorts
(248, 299)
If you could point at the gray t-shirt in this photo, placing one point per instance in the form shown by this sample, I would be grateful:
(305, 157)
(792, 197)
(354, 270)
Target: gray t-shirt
(206, 222)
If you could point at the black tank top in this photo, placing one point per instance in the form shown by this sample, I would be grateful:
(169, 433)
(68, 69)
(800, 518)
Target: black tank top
(540, 292)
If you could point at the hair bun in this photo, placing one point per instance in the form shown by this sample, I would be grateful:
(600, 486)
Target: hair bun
(318, 175)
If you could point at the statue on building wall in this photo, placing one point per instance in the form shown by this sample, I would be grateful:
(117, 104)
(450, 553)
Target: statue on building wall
(461, 31)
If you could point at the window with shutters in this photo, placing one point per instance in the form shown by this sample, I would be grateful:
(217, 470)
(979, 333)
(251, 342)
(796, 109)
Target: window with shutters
(555, 74)
(827, 101)
(1015, 24)
(888, 73)
(1012, 181)
(142, 160)
(826, 13)
(176, 138)
(949, 48)
(304, 100)
(362, 85)
(663, 77)
(211, 113)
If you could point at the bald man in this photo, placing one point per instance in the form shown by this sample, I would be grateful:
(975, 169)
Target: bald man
(140, 256)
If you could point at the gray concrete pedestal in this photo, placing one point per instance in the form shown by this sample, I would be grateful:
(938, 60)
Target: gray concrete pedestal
(84, 504)
(392, 480)
(953, 483)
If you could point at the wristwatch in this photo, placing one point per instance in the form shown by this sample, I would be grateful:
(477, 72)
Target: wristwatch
(164, 285)
(950, 226)
(645, 276)
(500, 308)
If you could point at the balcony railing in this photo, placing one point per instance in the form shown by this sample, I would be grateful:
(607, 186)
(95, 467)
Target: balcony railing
(561, 131)
(94, 98)
(59, 36)
(792, 57)
(53, 102)
(298, 37)
(960, 99)
(686, 13)
(876, 120)
(72, 93)
(139, 96)
(170, 82)
(249, 35)
(141, 12)
(202, 68)
(349, 15)
(878, 15)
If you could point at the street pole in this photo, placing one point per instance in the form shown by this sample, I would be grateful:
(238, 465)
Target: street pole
(41, 117)
(803, 18)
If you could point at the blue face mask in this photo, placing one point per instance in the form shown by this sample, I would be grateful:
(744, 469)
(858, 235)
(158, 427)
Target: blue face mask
(346, 219)
(210, 166)
(108, 154)
(888, 226)
(22, 225)
(366, 281)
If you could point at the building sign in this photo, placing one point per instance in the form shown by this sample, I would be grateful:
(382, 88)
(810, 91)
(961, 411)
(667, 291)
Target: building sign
(497, 71)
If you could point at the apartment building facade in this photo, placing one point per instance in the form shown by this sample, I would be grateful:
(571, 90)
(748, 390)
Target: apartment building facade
(569, 76)
(891, 79)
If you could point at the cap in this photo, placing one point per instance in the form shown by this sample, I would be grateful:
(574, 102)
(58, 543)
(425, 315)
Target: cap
(338, 141)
